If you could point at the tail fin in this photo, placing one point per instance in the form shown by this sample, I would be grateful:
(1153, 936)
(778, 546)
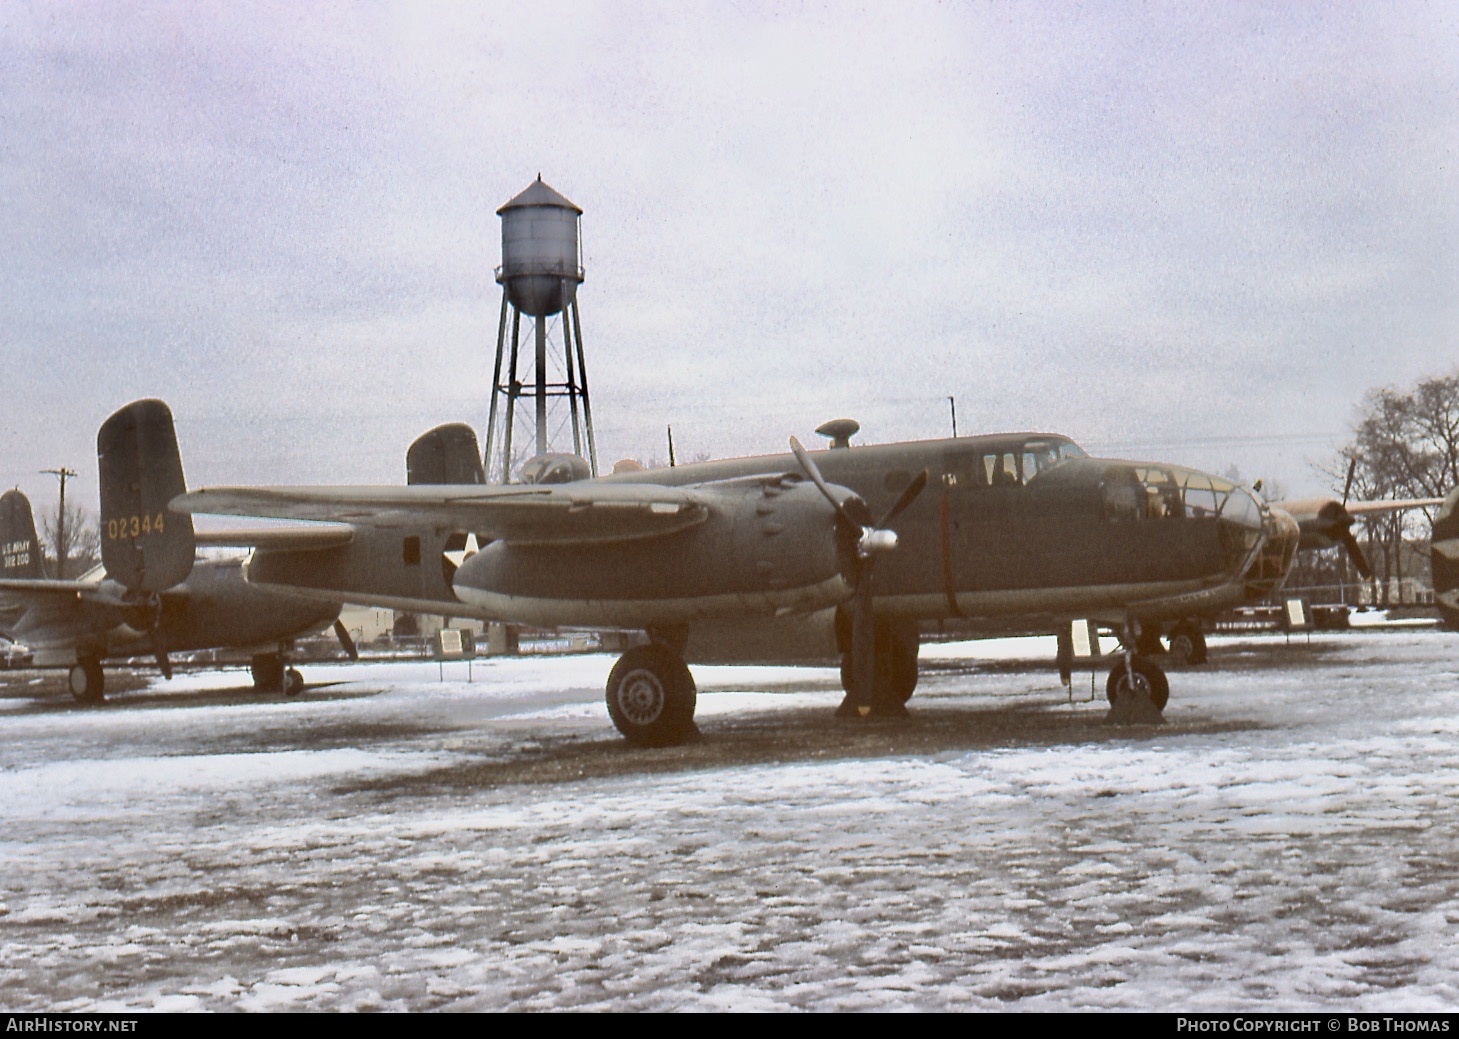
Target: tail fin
(447, 454)
(143, 546)
(1445, 559)
(20, 549)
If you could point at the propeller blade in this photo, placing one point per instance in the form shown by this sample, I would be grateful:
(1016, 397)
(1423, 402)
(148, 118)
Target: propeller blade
(343, 634)
(863, 643)
(1348, 484)
(814, 472)
(908, 497)
(1355, 553)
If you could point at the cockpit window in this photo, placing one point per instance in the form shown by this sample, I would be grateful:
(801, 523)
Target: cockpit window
(1007, 465)
(1039, 456)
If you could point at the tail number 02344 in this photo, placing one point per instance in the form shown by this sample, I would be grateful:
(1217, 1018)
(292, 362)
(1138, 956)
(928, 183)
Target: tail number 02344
(123, 527)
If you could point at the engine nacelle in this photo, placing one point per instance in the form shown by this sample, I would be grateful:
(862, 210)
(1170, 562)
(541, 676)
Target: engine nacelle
(766, 547)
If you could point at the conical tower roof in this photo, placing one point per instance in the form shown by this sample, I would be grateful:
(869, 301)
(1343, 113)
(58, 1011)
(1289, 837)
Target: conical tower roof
(539, 194)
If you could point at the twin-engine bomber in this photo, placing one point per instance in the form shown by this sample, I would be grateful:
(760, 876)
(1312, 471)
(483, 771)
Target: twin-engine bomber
(150, 596)
(801, 556)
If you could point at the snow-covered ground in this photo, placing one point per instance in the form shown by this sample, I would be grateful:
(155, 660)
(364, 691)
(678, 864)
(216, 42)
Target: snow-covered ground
(1288, 841)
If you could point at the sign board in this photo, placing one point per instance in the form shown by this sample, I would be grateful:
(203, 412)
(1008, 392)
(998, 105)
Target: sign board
(1296, 615)
(455, 644)
(1085, 634)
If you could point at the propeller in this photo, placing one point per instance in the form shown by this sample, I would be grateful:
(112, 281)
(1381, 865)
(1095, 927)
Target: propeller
(343, 634)
(1343, 525)
(874, 538)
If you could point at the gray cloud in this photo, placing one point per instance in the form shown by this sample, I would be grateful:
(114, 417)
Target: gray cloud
(1153, 225)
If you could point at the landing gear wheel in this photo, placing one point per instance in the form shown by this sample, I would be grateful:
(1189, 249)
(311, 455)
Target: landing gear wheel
(293, 682)
(1148, 641)
(268, 673)
(1187, 644)
(651, 697)
(88, 682)
(894, 674)
(1137, 694)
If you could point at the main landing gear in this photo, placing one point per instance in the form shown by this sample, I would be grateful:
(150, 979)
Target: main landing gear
(894, 674)
(651, 696)
(87, 681)
(270, 675)
(1187, 643)
(1185, 640)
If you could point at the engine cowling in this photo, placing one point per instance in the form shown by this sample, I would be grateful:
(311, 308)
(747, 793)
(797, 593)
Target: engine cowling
(766, 547)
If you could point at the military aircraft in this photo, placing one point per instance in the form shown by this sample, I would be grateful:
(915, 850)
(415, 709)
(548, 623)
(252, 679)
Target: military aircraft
(150, 596)
(849, 551)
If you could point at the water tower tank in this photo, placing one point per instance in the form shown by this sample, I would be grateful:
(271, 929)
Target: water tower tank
(540, 270)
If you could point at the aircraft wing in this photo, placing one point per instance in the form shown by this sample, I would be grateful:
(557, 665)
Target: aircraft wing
(1369, 508)
(575, 513)
(1327, 522)
(1308, 509)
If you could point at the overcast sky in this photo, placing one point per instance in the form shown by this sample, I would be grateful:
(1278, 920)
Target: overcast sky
(1193, 232)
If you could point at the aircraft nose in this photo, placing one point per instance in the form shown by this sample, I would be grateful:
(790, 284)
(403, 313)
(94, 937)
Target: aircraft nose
(1268, 571)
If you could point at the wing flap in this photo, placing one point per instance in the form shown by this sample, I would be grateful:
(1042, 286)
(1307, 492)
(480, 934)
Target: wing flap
(301, 538)
(12, 586)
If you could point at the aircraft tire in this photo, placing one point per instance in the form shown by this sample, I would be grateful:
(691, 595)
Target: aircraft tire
(1187, 644)
(1150, 680)
(1149, 641)
(293, 682)
(651, 697)
(894, 678)
(268, 673)
(88, 682)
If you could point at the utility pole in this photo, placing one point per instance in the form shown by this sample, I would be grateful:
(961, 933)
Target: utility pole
(62, 548)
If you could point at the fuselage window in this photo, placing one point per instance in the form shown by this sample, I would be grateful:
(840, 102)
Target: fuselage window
(410, 551)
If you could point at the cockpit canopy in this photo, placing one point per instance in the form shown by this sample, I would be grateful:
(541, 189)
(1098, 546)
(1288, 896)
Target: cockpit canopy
(1007, 463)
(1135, 491)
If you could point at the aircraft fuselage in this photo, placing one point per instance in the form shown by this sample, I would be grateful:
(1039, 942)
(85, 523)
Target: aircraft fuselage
(1019, 526)
(213, 608)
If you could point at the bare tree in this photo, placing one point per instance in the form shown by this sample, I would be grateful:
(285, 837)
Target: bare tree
(74, 540)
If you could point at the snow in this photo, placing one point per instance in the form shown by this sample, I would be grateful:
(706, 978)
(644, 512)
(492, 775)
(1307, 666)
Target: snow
(1288, 841)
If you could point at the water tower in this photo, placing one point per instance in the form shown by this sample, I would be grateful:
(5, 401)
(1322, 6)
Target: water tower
(539, 276)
